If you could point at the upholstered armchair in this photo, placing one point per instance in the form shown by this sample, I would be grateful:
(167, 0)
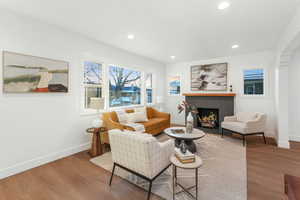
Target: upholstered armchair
(245, 124)
(140, 154)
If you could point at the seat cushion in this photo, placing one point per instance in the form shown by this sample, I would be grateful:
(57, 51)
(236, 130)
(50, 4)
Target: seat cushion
(240, 127)
(246, 116)
(154, 123)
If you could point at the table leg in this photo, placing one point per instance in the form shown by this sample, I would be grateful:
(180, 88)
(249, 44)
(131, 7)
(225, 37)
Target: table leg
(96, 148)
(173, 180)
(196, 183)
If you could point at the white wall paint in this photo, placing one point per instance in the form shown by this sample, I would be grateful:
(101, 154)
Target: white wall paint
(288, 43)
(236, 66)
(294, 97)
(37, 128)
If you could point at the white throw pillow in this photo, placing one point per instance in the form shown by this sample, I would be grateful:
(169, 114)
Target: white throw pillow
(122, 116)
(136, 117)
(142, 110)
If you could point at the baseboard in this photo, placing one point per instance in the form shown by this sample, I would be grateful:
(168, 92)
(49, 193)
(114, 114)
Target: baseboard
(21, 167)
(295, 138)
(283, 144)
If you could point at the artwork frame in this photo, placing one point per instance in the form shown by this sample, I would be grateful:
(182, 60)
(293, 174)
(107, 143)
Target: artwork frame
(22, 73)
(209, 77)
(174, 92)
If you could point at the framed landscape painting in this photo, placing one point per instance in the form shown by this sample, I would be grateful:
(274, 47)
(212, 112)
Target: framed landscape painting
(32, 74)
(211, 77)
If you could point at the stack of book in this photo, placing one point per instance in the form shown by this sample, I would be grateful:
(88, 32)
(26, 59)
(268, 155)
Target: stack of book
(186, 157)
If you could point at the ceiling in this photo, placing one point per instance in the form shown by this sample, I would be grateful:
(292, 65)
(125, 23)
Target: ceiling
(187, 29)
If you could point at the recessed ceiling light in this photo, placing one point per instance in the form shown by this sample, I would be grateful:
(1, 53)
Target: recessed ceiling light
(130, 36)
(235, 46)
(223, 5)
(172, 57)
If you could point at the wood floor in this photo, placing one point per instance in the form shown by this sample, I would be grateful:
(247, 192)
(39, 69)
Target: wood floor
(75, 178)
(266, 166)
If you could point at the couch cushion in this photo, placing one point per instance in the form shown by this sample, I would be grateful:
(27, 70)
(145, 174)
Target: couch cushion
(246, 116)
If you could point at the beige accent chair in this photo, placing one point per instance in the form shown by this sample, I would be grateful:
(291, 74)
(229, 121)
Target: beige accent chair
(245, 124)
(140, 154)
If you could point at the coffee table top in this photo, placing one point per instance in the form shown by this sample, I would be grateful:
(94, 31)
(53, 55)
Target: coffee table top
(198, 162)
(196, 134)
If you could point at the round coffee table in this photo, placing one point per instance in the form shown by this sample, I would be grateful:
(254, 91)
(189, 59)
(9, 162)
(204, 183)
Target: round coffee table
(186, 137)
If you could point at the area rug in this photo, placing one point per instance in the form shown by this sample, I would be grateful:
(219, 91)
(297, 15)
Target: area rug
(223, 175)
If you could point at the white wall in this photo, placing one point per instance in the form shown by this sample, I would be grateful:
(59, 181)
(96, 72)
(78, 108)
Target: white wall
(288, 43)
(294, 97)
(236, 66)
(37, 128)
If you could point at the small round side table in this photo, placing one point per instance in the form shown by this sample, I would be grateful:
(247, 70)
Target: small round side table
(193, 166)
(96, 146)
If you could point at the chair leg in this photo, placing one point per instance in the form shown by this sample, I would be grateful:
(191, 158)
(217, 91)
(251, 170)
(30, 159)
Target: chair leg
(264, 138)
(244, 140)
(149, 191)
(222, 132)
(112, 174)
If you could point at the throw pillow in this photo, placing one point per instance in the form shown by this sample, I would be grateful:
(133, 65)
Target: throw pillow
(136, 117)
(142, 110)
(122, 116)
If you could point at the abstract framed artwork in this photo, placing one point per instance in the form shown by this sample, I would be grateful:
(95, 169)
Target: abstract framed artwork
(174, 85)
(32, 74)
(210, 77)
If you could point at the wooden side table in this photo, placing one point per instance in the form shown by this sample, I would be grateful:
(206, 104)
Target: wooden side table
(193, 166)
(96, 146)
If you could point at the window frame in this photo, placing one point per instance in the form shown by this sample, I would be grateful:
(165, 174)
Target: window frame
(88, 111)
(264, 82)
(142, 103)
(152, 87)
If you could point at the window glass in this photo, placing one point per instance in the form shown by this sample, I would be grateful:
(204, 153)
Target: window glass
(149, 89)
(254, 82)
(92, 81)
(124, 87)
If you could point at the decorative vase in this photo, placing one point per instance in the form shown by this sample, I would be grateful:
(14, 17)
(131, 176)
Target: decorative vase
(183, 147)
(189, 123)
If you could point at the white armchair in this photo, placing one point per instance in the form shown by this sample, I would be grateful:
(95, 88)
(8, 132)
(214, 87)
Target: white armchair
(245, 124)
(140, 154)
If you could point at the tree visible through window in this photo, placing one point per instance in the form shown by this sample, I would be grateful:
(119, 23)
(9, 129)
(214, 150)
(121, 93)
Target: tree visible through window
(124, 87)
(92, 81)
(254, 82)
(149, 89)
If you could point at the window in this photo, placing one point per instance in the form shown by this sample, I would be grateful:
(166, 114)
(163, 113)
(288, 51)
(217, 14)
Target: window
(149, 89)
(124, 87)
(174, 85)
(92, 82)
(254, 82)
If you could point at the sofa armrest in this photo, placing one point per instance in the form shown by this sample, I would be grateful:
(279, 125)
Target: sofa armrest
(110, 124)
(167, 148)
(230, 119)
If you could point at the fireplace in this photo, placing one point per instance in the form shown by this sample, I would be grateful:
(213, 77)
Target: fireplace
(208, 118)
(219, 104)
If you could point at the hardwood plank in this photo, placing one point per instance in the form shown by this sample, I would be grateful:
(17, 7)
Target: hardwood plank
(266, 166)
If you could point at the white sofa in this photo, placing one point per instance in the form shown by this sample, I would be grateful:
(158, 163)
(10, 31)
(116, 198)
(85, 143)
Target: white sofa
(245, 124)
(140, 154)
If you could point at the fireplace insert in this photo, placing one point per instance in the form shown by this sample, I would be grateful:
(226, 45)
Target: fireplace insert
(208, 118)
